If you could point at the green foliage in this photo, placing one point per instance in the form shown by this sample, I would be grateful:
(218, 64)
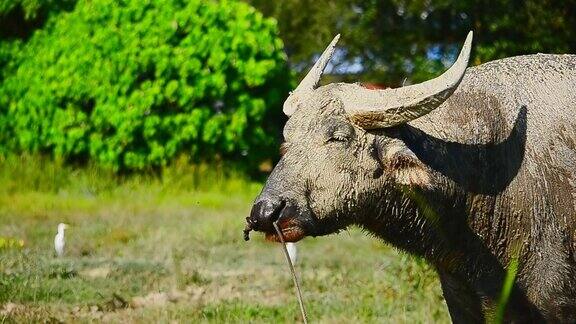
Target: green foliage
(396, 39)
(507, 286)
(30, 173)
(32, 8)
(132, 84)
(8, 243)
(20, 18)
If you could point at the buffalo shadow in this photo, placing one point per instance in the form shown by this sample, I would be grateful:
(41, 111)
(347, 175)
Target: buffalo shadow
(477, 168)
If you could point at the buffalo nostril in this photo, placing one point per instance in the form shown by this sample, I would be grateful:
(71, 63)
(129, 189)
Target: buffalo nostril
(258, 209)
(264, 213)
(276, 212)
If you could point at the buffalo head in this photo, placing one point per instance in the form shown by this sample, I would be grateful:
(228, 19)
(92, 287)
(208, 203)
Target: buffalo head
(339, 160)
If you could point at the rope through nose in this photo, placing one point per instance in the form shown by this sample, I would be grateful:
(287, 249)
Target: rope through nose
(294, 277)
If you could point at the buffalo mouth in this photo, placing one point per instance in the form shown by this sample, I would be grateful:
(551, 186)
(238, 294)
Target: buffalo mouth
(290, 229)
(285, 215)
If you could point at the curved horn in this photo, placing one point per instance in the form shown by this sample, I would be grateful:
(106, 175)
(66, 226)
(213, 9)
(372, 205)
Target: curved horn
(371, 109)
(311, 80)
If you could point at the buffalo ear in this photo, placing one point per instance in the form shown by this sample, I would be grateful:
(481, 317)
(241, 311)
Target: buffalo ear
(401, 164)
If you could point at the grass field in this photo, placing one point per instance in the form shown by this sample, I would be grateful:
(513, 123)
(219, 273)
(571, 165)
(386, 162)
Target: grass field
(142, 249)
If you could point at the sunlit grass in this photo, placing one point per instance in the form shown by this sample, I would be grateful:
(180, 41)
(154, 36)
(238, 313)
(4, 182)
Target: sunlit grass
(170, 248)
(507, 286)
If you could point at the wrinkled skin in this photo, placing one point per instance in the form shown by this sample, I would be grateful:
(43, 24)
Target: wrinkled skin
(488, 176)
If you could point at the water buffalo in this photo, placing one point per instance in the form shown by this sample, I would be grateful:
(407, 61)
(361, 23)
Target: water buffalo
(471, 170)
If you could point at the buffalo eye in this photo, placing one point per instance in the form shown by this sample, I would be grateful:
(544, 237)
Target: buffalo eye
(338, 137)
(337, 131)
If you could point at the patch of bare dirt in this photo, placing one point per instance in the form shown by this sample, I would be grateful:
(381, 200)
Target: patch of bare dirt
(10, 309)
(100, 272)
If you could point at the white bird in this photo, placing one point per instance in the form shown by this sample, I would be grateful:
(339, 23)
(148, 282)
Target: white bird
(59, 241)
(291, 247)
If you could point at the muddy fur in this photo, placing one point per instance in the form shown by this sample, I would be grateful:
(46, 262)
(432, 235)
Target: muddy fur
(488, 176)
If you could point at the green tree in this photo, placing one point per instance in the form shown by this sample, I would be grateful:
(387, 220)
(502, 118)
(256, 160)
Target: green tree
(390, 40)
(33, 8)
(132, 84)
(19, 18)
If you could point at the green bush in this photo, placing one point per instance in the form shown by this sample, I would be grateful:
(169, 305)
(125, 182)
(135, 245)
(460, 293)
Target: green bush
(132, 84)
(33, 8)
